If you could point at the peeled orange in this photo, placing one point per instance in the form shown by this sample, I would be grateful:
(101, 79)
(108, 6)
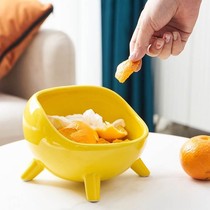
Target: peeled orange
(112, 131)
(80, 132)
(102, 141)
(126, 68)
(195, 157)
(89, 127)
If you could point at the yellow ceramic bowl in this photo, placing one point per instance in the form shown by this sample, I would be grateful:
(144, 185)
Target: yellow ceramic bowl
(88, 163)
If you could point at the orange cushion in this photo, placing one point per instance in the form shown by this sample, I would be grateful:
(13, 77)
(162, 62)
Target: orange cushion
(19, 22)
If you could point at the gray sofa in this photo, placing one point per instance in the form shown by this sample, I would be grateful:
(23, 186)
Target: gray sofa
(47, 62)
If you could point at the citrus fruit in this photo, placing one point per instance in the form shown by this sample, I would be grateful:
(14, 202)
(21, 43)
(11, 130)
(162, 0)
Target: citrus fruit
(112, 131)
(126, 68)
(80, 132)
(89, 127)
(195, 157)
(103, 141)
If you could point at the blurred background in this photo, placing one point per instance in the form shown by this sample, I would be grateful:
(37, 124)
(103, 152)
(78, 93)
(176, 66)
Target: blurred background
(172, 95)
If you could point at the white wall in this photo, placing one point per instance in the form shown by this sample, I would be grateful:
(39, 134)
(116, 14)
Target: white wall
(182, 83)
(81, 20)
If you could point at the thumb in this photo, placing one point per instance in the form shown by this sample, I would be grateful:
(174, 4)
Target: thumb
(141, 38)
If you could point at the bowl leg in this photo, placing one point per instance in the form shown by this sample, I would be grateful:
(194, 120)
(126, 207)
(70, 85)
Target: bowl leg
(140, 168)
(33, 170)
(92, 187)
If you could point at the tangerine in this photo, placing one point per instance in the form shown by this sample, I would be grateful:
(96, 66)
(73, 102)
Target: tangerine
(195, 157)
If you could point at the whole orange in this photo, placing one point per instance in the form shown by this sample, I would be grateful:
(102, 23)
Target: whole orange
(195, 157)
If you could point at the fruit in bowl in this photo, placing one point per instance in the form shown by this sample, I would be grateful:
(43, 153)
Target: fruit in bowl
(89, 127)
(90, 163)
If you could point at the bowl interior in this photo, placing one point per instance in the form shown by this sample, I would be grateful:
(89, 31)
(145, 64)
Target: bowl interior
(77, 99)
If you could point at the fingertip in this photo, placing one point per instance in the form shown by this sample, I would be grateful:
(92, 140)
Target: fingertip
(156, 47)
(136, 55)
(137, 52)
(176, 35)
(168, 37)
(133, 56)
(178, 46)
(159, 43)
(167, 48)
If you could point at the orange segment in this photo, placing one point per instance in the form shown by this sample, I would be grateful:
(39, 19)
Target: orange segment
(126, 68)
(89, 127)
(80, 132)
(111, 132)
(103, 141)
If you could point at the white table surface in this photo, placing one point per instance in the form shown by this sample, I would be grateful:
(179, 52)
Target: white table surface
(167, 188)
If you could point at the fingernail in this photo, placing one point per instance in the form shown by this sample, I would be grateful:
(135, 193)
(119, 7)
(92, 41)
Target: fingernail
(175, 35)
(159, 43)
(167, 38)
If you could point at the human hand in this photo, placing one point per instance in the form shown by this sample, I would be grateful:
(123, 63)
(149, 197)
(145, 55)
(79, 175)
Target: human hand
(163, 28)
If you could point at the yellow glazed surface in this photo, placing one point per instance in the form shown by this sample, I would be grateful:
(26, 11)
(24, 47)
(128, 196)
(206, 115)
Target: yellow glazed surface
(74, 161)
